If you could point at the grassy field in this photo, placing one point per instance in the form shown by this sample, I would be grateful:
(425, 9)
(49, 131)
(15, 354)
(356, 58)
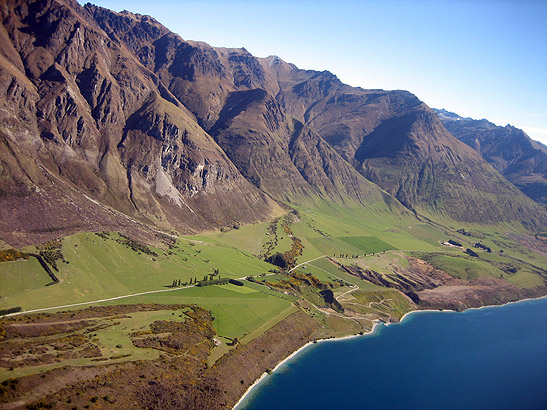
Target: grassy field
(21, 277)
(327, 271)
(525, 279)
(104, 266)
(237, 311)
(388, 302)
(460, 266)
(367, 244)
(381, 262)
(249, 238)
(487, 265)
(99, 268)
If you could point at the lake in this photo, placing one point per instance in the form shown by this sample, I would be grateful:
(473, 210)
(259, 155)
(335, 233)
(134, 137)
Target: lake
(488, 358)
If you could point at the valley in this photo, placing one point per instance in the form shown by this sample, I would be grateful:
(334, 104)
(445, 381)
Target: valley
(176, 219)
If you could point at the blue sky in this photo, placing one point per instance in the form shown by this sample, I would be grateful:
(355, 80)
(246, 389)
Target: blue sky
(481, 59)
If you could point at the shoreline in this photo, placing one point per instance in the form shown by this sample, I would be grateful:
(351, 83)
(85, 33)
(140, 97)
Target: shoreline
(376, 323)
(296, 352)
(465, 310)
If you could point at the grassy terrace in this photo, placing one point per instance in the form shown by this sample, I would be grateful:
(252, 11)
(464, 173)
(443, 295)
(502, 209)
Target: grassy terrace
(103, 266)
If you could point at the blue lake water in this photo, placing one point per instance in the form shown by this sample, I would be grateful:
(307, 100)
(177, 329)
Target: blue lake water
(489, 358)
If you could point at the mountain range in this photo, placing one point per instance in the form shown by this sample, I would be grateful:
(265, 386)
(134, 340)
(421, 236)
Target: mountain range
(508, 149)
(111, 121)
(176, 219)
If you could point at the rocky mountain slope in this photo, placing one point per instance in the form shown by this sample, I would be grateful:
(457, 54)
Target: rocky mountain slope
(396, 141)
(114, 112)
(247, 102)
(509, 150)
(80, 108)
(233, 99)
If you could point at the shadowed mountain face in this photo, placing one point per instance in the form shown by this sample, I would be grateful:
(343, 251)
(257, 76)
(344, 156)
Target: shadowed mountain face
(111, 112)
(509, 150)
(396, 141)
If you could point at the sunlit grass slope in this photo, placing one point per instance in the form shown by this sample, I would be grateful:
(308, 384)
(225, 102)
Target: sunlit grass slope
(101, 266)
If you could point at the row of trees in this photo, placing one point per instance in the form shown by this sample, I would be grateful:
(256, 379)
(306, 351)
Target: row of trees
(347, 255)
(208, 278)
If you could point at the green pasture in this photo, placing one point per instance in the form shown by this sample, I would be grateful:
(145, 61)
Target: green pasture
(249, 238)
(367, 244)
(387, 301)
(525, 279)
(203, 254)
(113, 340)
(237, 312)
(320, 272)
(333, 246)
(462, 266)
(271, 278)
(356, 231)
(380, 262)
(100, 268)
(327, 230)
(325, 270)
(284, 241)
(118, 334)
(498, 238)
(263, 289)
(457, 264)
(22, 276)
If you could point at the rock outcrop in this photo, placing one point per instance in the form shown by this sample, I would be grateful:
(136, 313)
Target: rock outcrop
(88, 129)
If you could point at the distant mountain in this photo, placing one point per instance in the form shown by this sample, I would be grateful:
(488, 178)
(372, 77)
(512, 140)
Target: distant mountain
(106, 114)
(509, 150)
(396, 141)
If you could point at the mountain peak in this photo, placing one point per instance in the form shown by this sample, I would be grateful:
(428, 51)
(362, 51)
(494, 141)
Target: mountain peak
(114, 108)
(508, 149)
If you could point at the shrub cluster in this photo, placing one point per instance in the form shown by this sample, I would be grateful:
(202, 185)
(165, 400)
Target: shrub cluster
(135, 246)
(453, 242)
(471, 252)
(51, 252)
(278, 259)
(481, 246)
(104, 235)
(236, 282)
(10, 310)
(463, 232)
(222, 281)
(9, 255)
